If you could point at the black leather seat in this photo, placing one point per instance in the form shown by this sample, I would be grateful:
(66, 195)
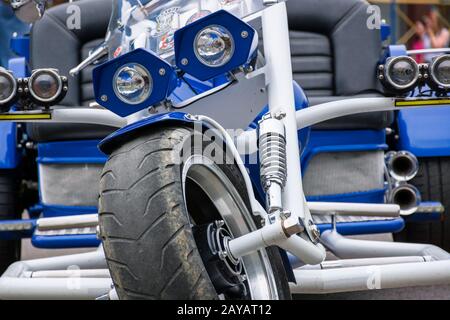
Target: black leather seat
(54, 45)
(334, 56)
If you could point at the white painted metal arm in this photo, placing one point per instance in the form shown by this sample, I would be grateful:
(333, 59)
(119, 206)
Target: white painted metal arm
(335, 109)
(354, 209)
(70, 115)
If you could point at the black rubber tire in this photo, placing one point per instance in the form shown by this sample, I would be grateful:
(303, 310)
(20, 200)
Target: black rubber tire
(9, 210)
(148, 242)
(433, 182)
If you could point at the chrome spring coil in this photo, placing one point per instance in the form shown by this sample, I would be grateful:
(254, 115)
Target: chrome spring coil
(272, 156)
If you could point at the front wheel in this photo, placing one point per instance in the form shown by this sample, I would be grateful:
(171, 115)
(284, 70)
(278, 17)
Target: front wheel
(162, 212)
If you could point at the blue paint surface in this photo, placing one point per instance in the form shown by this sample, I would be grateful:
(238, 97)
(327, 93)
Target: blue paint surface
(65, 241)
(69, 152)
(425, 132)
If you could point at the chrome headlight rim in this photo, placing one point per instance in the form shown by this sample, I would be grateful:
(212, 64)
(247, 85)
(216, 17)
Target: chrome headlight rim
(201, 59)
(433, 65)
(13, 80)
(388, 79)
(143, 71)
(56, 75)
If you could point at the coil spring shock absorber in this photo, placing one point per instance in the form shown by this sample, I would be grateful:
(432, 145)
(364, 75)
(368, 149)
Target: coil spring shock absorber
(272, 156)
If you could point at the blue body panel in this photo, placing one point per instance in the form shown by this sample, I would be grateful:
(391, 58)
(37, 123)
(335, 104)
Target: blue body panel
(21, 46)
(371, 196)
(366, 227)
(425, 132)
(65, 241)
(68, 152)
(9, 152)
(82, 151)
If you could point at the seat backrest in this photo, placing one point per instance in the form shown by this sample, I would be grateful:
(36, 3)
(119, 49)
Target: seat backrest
(54, 44)
(334, 53)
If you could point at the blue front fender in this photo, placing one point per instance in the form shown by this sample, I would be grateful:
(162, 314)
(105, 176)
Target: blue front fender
(126, 133)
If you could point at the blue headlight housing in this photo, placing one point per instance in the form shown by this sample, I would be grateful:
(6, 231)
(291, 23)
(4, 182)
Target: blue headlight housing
(133, 82)
(214, 45)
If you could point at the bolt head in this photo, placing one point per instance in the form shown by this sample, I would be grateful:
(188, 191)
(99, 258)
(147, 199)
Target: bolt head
(162, 72)
(104, 98)
(184, 61)
(219, 223)
(244, 34)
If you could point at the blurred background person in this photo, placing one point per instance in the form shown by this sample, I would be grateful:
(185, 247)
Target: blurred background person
(418, 42)
(437, 36)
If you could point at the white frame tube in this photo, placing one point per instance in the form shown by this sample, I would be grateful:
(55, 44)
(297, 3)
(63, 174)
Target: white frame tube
(89, 260)
(279, 79)
(347, 263)
(54, 288)
(371, 277)
(67, 222)
(274, 234)
(48, 282)
(346, 248)
(354, 209)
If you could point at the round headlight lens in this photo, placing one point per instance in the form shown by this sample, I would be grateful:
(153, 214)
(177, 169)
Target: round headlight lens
(440, 71)
(214, 46)
(402, 72)
(7, 86)
(45, 85)
(133, 83)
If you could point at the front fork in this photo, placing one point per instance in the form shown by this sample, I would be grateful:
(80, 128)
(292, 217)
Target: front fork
(288, 223)
(278, 72)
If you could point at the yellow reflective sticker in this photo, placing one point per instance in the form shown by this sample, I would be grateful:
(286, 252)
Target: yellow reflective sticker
(23, 116)
(421, 102)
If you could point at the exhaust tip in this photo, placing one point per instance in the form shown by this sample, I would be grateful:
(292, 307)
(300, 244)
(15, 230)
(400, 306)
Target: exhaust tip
(402, 165)
(407, 197)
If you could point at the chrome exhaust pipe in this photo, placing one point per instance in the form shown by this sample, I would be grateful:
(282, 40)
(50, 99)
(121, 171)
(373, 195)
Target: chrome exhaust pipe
(406, 196)
(402, 165)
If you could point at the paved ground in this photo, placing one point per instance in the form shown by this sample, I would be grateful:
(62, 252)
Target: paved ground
(419, 293)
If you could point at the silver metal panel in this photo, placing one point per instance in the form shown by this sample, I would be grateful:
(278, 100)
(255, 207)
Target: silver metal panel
(236, 105)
